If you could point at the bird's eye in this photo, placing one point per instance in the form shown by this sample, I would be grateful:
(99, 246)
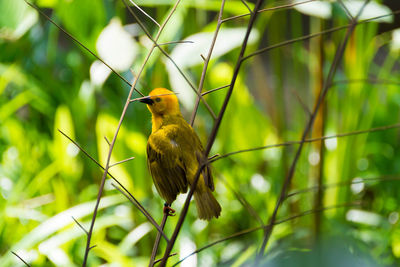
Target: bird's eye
(157, 99)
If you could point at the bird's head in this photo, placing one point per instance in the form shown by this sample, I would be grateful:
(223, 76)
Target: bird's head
(161, 102)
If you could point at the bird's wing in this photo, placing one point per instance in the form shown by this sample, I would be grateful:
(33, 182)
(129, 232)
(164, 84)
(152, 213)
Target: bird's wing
(190, 142)
(164, 158)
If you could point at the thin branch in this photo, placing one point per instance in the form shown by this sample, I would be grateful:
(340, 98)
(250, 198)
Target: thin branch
(346, 10)
(269, 9)
(351, 182)
(108, 142)
(129, 97)
(158, 260)
(302, 38)
(215, 89)
(214, 132)
(136, 202)
(146, 97)
(147, 15)
(177, 42)
(254, 229)
(247, 6)
(213, 157)
(21, 259)
(80, 225)
(289, 143)
(285, 187)
(158, 239)
(303, 105)
(244, 202)
(122, 161)
(308, 212)
(367, 80)
(82, 45)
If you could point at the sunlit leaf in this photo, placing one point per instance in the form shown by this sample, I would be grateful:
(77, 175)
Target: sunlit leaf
(16, 19)
(321, 9)
(116, 47)
(371, 10)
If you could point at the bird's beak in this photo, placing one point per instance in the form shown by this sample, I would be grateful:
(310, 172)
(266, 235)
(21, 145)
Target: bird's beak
(147, 100)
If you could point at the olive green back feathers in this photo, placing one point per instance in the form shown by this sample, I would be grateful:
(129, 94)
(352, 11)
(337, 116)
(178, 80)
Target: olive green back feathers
(173, 155)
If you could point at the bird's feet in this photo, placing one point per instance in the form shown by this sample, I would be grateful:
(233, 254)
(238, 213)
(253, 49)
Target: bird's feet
(168, 210)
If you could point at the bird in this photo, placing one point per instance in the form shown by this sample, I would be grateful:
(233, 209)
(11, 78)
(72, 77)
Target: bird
(174, 154)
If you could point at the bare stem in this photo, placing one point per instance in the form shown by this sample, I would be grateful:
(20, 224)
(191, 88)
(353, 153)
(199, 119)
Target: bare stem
(21, 259)
(80, 225)
(268, 9)
(147, 15)
(157, 241)
(122, 161)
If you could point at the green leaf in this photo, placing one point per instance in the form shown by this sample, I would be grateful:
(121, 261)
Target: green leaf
(16, 19)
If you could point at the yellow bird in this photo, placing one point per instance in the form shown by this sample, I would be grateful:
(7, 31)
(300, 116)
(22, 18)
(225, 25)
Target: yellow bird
(174, 152)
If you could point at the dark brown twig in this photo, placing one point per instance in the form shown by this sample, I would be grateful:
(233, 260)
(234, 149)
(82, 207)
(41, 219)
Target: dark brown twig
(122, 161)
(366, 80)
(244, 202)
(21, 259)
(145, 97)
(158, 260)
(80, 225)
(346, 10)
(247, 6)
(303, 105)
(333, 185)
(147, 15)
(158, 239)
(108, 142)
(214, 90)
(269, 9)
(176, 42)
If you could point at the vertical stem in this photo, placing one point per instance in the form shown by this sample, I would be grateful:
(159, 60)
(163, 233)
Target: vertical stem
(158, 239)
(317, 171)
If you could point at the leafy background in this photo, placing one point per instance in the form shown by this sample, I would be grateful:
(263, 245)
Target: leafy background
(47, 82)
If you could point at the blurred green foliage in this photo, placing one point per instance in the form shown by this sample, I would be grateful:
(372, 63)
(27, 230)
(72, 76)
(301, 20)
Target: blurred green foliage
(49, 83)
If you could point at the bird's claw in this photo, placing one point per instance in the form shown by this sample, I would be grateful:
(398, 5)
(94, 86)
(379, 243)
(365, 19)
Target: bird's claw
(168, 210)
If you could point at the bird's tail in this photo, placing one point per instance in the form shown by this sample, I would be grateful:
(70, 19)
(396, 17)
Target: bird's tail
(207, 205)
